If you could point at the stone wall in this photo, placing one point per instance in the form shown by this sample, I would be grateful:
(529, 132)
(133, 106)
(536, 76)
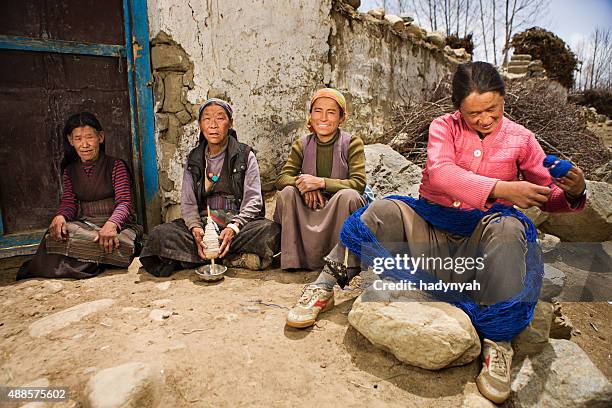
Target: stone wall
(380, 69)
(267, 58)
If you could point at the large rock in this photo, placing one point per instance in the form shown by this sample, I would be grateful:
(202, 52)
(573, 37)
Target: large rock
(430, 335)
(64, 318)
(594, 224)
(560, 376)
(388, 172)
(536, 215)
(129, 385)
(534, 337)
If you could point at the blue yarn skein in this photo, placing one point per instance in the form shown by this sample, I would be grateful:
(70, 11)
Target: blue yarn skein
(501, 321)
(561, 169)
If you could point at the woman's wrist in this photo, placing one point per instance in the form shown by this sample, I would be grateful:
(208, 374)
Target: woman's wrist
(576, 197)
(234, 227)
(499, 189)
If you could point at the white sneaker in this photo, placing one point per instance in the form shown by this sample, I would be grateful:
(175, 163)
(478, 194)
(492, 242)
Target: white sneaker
(494, 379)
(314, 300)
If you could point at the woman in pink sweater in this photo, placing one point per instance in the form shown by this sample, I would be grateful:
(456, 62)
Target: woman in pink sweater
(475, 158)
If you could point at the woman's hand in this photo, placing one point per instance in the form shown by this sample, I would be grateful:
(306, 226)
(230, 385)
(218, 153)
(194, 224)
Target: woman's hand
(314, 199)
(307, 182)
(572, 183)
(225, 237)
(198, 234)
(521, 193)
(58, 228)
(107, 237)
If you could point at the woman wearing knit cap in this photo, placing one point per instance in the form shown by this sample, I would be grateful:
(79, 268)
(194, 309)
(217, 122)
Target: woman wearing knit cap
(320, 184)
(221, 174)
(479, 165)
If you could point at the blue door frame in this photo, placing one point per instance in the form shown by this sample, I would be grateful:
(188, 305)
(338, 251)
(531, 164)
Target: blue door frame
(144, 157)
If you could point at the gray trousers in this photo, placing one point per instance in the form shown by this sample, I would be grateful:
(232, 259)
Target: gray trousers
(499, 241)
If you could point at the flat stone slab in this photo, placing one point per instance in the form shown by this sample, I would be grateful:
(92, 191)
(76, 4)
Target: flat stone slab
(128, 385)
(59, 320)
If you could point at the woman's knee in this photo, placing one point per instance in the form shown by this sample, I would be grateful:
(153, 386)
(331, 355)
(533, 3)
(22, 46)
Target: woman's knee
(287, 194)
(350, 197)
(380, 210)
(506, 229)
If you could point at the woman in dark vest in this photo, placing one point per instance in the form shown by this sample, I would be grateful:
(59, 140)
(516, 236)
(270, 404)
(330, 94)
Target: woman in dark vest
(221, 174)
(320, 185)
(95, 224)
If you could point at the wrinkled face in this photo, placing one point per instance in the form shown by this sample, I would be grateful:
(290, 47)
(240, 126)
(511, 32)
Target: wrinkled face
(325, 117)
(86, 141)
(215, 124)
(483, 112)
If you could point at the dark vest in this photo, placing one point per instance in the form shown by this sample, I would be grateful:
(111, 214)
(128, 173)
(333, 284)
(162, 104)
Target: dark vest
(95, 192)
(231, 180)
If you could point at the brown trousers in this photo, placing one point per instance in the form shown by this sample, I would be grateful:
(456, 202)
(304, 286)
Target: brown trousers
(500, 241)
(308, 235)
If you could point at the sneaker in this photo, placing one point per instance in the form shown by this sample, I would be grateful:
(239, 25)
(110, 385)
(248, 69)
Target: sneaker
(494, 379)
(245, 261)
(314, 300)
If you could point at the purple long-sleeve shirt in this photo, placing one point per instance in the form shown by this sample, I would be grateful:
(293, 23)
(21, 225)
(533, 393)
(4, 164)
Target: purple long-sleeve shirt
(252, 201)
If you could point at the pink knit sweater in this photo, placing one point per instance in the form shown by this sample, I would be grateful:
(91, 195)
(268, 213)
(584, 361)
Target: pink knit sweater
(462, 169)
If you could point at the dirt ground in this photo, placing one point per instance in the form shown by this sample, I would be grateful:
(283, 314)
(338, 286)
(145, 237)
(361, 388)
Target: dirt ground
(226, 345)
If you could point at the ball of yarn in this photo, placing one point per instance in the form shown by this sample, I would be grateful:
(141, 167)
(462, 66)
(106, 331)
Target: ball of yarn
(560, 169)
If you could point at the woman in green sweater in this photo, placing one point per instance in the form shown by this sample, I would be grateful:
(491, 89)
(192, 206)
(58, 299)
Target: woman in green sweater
(320, 185)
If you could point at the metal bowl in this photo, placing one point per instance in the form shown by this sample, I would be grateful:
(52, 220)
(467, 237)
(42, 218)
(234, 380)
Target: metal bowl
(209, 274)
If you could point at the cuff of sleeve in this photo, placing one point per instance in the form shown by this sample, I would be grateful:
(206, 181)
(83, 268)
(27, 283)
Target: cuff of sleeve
(484, 193)
(577, 203)
(68, 217)
(331, 185)
(233, 227)
(116, 222)
(193, 225)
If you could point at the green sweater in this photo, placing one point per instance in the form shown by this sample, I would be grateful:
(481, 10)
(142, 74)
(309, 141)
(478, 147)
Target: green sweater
(325, 154)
